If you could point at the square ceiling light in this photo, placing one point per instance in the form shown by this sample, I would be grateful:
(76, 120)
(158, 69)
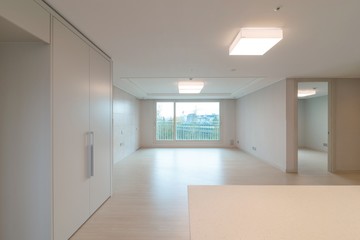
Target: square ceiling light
(255, 41)
(190, 87)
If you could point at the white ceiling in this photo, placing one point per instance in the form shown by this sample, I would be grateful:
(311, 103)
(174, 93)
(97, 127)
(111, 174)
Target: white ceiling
(154, 43)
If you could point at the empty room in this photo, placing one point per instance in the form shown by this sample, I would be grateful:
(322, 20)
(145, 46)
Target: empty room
(179, 120)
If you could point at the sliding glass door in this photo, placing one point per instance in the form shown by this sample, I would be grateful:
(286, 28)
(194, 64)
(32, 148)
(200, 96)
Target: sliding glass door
(188, 121)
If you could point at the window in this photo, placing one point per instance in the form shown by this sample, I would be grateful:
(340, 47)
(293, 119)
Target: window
(164, 121)
(188, 121)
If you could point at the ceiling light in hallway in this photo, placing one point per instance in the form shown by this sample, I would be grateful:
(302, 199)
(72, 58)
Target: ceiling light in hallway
(306, 92)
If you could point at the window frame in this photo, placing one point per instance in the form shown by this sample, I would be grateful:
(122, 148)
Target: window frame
(174, 140)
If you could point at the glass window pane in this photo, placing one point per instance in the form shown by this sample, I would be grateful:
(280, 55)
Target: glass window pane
(164, 121)
(197, 121)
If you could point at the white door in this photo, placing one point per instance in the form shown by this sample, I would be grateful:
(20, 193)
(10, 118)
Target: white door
(100, 125)
(70, 125)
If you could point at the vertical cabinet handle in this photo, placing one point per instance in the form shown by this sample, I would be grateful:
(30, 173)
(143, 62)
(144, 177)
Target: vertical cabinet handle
(90, 148)
(92, 154)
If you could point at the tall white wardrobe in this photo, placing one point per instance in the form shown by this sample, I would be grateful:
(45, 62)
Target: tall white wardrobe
(55, 125)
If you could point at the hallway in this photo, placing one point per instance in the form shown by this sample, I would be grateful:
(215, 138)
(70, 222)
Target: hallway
(149, 198)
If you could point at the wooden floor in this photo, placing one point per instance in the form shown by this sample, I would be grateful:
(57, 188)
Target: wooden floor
(149, 198)
(311, 162)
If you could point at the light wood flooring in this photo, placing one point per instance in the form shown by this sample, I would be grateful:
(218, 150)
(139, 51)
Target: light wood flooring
(311, 162)
(149, 198)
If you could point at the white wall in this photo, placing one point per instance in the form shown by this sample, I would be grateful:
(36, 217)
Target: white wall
(346, 97)
(28, 16)
(148, 127)
(126, 124)
(301, 123)
(313, 123)
(261, 124)
(25, 141)
(147, 123)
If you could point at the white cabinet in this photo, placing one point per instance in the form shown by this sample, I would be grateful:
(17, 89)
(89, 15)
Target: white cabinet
(101, 126)
(70, 127)
(81, 116)
(51, 97)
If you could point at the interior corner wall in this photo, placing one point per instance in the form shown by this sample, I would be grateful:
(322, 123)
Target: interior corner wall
(126, 124)
(346, 99)
(313, 123)
(261, 124)
(147, 122)
(148, 127)
(25, 141)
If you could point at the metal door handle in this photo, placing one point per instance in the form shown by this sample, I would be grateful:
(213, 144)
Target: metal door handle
(90, 147)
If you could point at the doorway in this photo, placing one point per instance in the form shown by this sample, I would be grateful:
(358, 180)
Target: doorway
(312, 127)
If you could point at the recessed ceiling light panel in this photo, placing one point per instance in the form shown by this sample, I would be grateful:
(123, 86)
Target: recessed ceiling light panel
(190, 87)
(255, 41)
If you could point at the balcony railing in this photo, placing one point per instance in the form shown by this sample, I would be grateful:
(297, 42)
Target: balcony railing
(187, 131)
(164, 130)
